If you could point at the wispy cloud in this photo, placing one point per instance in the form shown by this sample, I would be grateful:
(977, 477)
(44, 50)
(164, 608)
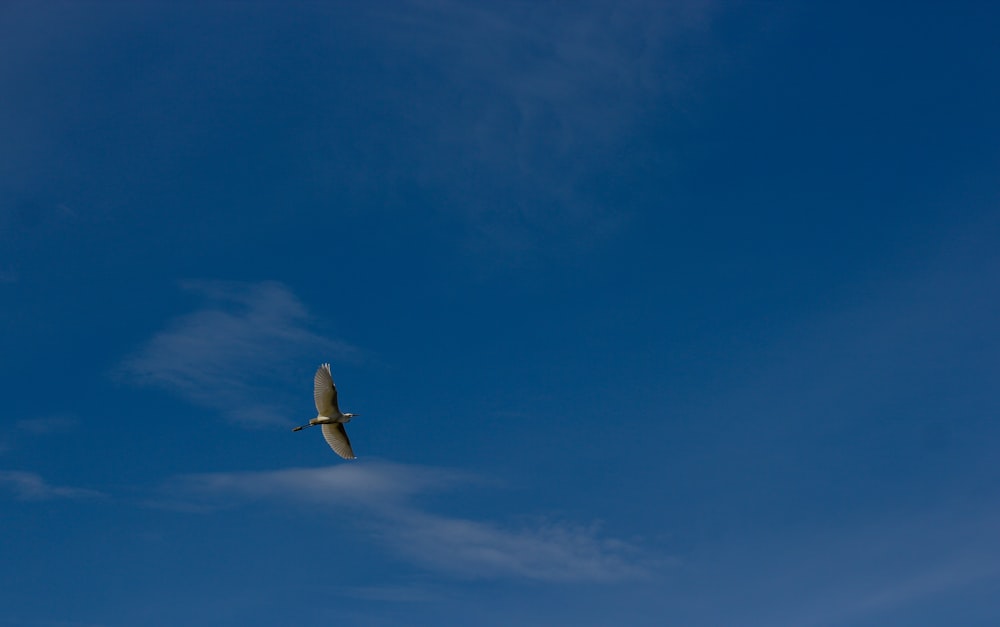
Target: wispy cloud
(549, 551)
(228, 355)
(29, 486)
(385, 493)
(552, 94)
(46, 425)
(866, 573)
(53, 424)
(404, 593)
(556, 87)
(911, 588)
(373, 486)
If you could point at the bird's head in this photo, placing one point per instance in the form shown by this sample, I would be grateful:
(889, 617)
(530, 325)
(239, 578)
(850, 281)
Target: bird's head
(349, 417)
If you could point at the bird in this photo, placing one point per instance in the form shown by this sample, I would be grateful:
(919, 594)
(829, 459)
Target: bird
(329, 415)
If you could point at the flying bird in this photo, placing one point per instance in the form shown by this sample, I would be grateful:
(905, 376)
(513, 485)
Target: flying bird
(329, 414)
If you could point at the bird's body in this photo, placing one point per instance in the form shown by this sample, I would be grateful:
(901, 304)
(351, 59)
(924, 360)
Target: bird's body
(328, 413)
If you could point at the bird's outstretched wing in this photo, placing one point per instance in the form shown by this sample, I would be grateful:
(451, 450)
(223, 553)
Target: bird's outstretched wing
(325, 392)
(336, 437)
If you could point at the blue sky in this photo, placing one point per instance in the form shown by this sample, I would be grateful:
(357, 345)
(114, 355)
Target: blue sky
(661, 313)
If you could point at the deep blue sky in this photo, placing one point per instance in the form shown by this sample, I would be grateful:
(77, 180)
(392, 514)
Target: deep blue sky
(654, 313)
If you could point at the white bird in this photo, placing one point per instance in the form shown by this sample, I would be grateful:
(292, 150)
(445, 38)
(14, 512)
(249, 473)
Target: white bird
(329, 414)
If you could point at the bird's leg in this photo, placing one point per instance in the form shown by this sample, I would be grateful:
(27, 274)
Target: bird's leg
(303, 427)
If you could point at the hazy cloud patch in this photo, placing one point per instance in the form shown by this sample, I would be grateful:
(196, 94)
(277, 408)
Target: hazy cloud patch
(30, 486)
(553, 96)
(385, 495)
(374, 485)
(232, 354)
(549, 551)
(400, 593)
(46, 425)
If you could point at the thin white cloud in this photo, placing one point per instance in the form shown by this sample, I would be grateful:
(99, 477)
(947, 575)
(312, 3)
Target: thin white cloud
(548, 551)
(405, 593)
(228, 355)
(30, 486)
(916, 559)
(374, 486)
(384, 493)
(552, 95)
(46, 425)
(866, 597)
(35, 427)
(911, 588)
(856, 570)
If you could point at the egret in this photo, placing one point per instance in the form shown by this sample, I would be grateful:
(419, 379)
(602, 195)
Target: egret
(329, 414)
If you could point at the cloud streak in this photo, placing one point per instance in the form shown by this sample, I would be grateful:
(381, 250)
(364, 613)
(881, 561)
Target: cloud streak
(29, 486)
(227, 355)
(554, 91)
(868, 572)
(552, 97)
(48, 424)
(384, 494)
(547, 551)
